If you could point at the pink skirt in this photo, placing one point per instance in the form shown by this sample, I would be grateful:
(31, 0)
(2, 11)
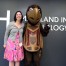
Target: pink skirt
(13, 52)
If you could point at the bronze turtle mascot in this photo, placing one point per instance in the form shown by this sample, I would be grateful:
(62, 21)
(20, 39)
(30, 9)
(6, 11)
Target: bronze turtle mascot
(33, 34)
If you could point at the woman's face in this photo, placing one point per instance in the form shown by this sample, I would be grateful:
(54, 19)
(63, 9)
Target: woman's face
(18, 16)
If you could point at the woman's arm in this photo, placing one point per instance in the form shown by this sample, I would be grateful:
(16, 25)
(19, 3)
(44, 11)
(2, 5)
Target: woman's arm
(7, 32)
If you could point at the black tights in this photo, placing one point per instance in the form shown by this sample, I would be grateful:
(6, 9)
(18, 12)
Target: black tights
(32, 58)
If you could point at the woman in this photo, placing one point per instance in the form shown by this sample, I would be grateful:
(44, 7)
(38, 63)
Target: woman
(13, 41)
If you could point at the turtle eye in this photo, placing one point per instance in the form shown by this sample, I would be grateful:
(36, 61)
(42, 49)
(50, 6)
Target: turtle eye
(39, 9)
(30, 9)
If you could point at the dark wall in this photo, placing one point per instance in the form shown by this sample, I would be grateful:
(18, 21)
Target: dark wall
(54, 52)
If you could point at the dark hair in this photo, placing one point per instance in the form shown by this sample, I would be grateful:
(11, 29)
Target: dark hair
(15, 16)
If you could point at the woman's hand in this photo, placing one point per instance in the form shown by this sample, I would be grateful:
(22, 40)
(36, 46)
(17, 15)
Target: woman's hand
(20, 44)
(4, 46)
